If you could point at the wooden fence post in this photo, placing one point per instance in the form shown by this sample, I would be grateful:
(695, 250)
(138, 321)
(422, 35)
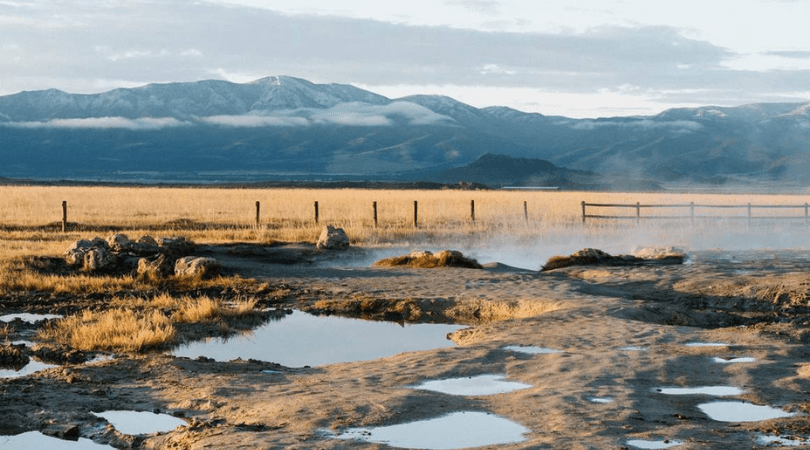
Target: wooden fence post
(692, 212)
(415, 214)
(805, 213)
(525, 211)
(638, 213)
(472, 210)
(583, 211)
(749, 215)
(64, 216)
(258, 214)
(316, 213)
(374, 206)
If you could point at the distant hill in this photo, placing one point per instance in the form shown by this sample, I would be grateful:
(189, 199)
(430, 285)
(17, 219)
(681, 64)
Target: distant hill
(284, 128)
(504, 171)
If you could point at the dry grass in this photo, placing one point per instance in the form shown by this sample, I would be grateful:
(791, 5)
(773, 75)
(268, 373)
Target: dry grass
(135, 324)
(115, 330)
(226, 215)
(428, 260)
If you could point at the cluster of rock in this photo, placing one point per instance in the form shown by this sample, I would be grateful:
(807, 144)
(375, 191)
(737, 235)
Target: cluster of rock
(596, 257)
(151, 258)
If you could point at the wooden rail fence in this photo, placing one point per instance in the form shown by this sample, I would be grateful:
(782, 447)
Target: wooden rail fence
(690, 212)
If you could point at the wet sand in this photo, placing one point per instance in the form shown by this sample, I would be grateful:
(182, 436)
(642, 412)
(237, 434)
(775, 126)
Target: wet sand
(621, 332)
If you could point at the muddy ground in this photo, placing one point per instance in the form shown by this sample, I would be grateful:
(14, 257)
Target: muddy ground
(621, 331)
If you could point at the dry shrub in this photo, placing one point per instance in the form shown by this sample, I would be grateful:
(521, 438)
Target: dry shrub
(490, 311)
(115, 330)
(427, 260)
(595, 257)
(195, 310)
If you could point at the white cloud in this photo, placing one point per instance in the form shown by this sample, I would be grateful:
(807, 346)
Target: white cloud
(254, 121)
(679, 126)
(146, 123)
(348, 114)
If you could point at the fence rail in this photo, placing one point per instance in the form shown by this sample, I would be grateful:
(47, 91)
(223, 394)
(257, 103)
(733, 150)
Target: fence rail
(691, 215)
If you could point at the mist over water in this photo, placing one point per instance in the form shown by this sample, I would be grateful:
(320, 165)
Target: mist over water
(531, 251)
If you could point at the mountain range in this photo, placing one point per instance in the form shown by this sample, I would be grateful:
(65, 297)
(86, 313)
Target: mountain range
(279, 128)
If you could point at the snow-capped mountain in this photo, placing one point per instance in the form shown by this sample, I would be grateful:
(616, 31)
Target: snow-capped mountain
(279, 127)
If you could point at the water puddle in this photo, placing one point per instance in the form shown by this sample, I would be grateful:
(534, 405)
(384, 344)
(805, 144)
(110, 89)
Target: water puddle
(478, 385)
(600, 399)
(640, 443)
(29, 318)
(706, 344)
(35, 439)
(780, 441)
(716, 391)
(531, 350)
(302, 339)
(741, 412)
(33, 366)
(141, 422)
(734, 360)
(632, 349)
(456, 430)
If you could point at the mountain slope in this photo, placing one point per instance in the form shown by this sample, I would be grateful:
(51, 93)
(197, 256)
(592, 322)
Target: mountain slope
(287, 127)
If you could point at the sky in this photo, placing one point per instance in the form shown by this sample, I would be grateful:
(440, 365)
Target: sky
(574, 58)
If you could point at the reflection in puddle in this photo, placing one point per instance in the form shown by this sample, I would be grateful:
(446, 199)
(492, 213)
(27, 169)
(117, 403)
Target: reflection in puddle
(639, 443)
(717, 391)
(479, 385)
(780, 441)
(734, 360)
(457, 430)
(30, 318)
(600, 399)
(301, 339)
(531, 350)
(632, 349)
(33, 366)
(706, 344)
(741, 412)
(140, 422)
(37, 440)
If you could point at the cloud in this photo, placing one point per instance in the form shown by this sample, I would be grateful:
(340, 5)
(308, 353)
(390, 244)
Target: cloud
(354, 114)
(678, 126)
(477, 6)
(790, 54)
(144, 124)
(254, 121)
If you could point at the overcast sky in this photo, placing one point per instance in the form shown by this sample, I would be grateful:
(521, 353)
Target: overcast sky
(577, 58)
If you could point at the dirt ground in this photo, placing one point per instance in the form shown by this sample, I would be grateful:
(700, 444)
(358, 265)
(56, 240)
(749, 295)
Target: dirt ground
(621, 331)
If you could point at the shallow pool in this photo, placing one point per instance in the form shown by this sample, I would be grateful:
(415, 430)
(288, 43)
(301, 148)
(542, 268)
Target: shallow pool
(141, 422)
(741, 412)
(477, 385)
(37, 440)
(301, 339)
(456, 430)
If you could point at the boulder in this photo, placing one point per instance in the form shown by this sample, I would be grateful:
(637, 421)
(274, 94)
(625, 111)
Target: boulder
(333, 239)
(155, 268)
(99, 259)
(195, 266)
(176, 246)
(145, 246)
(120, 242)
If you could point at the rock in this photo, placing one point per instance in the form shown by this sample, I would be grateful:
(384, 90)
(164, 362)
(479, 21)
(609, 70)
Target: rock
(155, 268)
(62, 431)
(176, 246)
(74, 255)
(194, 266)
(120, 242)
(98, 259)
(333, 239)
(145, 246)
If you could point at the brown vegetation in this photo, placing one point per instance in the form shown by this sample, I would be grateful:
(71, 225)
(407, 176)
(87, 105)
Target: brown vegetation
(427, 260)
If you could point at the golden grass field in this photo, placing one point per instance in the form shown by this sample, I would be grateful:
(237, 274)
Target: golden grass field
(30, 215)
